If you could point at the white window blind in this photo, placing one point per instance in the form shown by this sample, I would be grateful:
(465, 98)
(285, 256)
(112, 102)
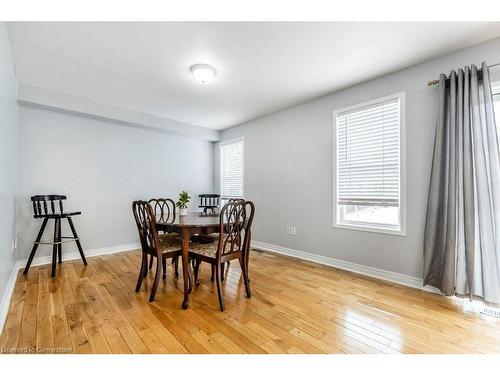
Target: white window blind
(368, 155)
(232, 169)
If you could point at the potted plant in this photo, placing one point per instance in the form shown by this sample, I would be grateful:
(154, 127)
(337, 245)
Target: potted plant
(183, 202)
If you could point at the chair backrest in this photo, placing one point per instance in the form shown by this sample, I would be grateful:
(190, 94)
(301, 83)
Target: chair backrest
(209, 200)
(250, 209)
(146, 225)
(235, 227)
(164, 209)
(41, 208)
(231, 200)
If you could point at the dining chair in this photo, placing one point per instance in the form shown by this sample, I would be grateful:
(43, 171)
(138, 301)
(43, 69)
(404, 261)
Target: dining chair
(164, 210)
(212, 237)
(233, 243)
(152, 244)
(50, 207)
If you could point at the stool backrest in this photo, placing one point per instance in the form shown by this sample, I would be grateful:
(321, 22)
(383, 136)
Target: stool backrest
(44, 205)
(209, 200)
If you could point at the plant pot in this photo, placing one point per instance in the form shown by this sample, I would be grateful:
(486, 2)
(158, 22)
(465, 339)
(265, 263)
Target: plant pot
(183, 212)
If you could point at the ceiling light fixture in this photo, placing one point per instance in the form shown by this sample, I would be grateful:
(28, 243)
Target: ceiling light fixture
(203, 73)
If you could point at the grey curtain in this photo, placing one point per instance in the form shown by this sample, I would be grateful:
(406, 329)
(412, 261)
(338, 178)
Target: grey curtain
(462, 230)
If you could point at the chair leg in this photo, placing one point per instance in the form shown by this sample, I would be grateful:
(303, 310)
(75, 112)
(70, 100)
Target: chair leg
(176, 264)
(145, 271)
(35, 245)
(247, 254)
(164, 265)
(212, 278)
(78, 244)
(222, 271)
(157, 280)
(219, 288)
(244, 271)
(144, 264)
(151, 262)
(55, 247)
(196, 272)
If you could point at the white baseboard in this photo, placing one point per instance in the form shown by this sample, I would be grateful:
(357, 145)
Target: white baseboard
(7, 295)
(378, 273)
(38, 261)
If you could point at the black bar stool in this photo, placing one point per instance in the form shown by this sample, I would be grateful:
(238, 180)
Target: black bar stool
(53, 211)
(209, 202)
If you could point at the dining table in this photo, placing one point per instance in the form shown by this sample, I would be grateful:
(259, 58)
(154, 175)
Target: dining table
(194, 223)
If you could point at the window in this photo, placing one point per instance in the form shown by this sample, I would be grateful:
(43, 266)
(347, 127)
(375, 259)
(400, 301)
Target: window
(232, 169)
(369, 163)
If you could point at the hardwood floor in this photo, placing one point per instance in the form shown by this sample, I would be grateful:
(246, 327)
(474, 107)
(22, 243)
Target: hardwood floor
(296, 307)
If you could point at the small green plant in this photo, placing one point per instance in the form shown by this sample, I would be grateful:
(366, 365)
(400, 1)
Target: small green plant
(183, 199)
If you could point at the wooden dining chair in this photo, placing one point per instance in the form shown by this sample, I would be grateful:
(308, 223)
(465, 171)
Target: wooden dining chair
(161, 247)
(50, 207)
(233, 243)
(164, 210)
(212, 237)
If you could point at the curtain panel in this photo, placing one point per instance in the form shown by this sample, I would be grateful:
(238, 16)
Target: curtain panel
(462, 230)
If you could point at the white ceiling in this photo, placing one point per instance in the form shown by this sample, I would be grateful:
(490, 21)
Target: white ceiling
(262, 67)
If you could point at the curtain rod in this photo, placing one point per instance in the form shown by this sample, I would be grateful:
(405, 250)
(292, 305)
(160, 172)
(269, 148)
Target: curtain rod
(436, 81)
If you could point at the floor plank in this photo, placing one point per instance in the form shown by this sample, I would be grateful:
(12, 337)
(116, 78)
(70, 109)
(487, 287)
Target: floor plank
(297, 307)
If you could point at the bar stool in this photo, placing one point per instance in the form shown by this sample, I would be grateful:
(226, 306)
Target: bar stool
(209, 202)
(56, 212)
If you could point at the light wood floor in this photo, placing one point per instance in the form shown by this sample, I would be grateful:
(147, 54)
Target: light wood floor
(297, 307)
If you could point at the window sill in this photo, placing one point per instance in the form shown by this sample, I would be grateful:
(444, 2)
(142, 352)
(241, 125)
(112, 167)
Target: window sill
(364, 228)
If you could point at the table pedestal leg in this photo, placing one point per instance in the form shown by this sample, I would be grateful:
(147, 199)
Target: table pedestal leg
(185, 267)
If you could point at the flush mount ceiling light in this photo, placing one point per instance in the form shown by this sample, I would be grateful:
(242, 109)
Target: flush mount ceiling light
(203, 73)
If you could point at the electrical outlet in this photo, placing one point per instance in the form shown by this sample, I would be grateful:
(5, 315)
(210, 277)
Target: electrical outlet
(288, 229)
(293, 231)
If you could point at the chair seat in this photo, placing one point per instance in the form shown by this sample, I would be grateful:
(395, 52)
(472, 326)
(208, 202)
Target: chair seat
(170, 243)
(205, 238)
(168, 235)
(58, 216)
(206, 249)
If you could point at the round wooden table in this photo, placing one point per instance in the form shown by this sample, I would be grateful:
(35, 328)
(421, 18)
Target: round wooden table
(187, 226)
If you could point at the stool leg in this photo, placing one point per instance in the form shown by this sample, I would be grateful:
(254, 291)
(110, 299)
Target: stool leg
(78, 244)
(35, 246)
(55, 247)
(59, 246)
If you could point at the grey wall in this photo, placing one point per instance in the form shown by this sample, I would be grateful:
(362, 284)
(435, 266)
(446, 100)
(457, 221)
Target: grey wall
(289, 171)
(102, 167)
(8, 158)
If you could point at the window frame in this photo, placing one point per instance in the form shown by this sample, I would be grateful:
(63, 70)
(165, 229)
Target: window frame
(372, 227)
(221, 162)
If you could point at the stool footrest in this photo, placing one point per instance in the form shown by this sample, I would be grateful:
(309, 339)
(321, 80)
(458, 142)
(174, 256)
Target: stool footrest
(68, 239)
